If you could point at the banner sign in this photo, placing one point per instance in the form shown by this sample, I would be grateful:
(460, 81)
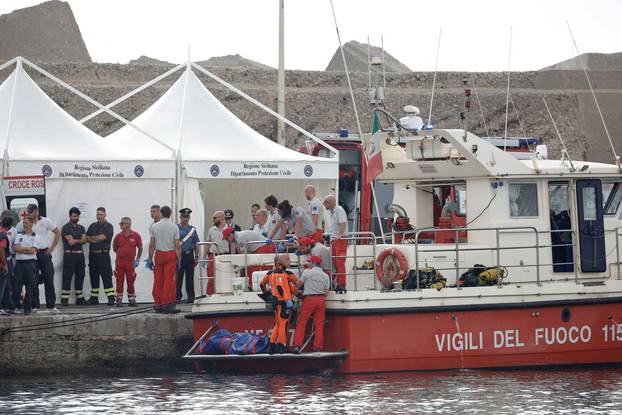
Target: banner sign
(24, 186)
(262, 170)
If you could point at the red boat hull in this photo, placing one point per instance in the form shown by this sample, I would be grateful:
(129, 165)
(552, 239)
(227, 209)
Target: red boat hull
(411, 339)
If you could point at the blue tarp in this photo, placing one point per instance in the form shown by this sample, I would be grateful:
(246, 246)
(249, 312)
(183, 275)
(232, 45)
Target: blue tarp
(225, 342)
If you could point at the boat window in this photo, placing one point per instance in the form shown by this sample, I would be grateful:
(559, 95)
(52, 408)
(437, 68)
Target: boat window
(589, 203)
(612, 198)
(607, 188)
(523, 200)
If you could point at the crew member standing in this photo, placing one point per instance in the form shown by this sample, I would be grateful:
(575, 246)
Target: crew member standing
(261, 222)
(25, 247)
(128, 247)
(189, 254)
(270, 204)
(315, 212)
(99, 236)
(316, 286)
(338, 245)
(254, 208)
(42, 227)
(5, 253)
(164, 255)
(7, 234)
(283, 289)
(74, 236)
(217, 246)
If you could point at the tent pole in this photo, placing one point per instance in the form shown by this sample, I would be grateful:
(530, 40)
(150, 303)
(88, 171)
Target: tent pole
(132, 93)
(8, 63)
(93, 102)
(178, 184)
(18, 69)
(268, 110)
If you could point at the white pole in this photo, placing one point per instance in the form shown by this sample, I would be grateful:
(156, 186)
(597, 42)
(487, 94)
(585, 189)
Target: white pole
(281, 75)
(438, 49)
(589, 83)
(507, 94)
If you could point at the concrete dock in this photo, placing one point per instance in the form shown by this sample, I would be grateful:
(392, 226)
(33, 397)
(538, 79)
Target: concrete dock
(138, 341)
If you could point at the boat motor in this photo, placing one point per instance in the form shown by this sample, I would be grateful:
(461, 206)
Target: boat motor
(401, 223)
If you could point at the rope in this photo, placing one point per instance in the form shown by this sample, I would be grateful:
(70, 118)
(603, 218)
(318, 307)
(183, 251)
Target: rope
(87, 320)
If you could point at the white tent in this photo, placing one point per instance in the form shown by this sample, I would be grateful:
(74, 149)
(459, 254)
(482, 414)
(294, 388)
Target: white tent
(81, 169)
(216, 148)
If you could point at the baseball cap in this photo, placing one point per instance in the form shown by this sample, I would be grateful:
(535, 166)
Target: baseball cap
(315, 259)
(226, 232)
(305, 240)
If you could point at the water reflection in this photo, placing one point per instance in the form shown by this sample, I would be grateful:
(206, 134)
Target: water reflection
(595, 391)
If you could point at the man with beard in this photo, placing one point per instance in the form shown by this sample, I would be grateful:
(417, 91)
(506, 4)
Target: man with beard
(99, 235)
(218, 246)
(74, 236)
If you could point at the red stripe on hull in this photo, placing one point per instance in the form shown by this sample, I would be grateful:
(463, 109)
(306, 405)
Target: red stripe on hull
(534, 336)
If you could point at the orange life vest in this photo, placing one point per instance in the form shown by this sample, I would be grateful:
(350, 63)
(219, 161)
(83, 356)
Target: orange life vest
(279, 284)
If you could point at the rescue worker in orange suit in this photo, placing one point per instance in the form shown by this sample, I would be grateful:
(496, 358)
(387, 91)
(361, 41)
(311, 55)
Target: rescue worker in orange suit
(338, 243)
(163, 260)
(316, 286)
(283, 289)
(128, 247)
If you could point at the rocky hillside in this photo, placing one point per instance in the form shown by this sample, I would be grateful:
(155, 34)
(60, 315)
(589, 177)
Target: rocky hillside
(591, 61)
(356, 58)
(234, 61)
(319, 101)
(47, 32)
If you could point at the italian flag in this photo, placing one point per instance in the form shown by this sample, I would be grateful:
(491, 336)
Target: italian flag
(375, 166)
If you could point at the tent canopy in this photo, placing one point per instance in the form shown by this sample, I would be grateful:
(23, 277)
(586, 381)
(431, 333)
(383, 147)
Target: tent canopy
(38, 136)
(214, 143)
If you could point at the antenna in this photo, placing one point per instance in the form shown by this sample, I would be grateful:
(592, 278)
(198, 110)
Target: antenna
(356, 114)
(479, 104)
(384, 72)
(564, 151)
(438, 49)
(589, 83)
(507, 94)
(368, 65)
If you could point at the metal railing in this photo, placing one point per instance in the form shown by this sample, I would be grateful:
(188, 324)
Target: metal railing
(207, 256)
(355, 237)
(276, 242)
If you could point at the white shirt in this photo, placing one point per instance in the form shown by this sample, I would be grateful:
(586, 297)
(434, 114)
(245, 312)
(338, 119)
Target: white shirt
(262, 229)
(214, 235)
(316, 208)
(43, 228)
(273, 219)
(244, 237)
(26, 241)
(338, 216)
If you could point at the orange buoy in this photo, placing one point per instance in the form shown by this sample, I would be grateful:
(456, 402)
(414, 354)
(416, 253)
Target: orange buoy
(391, 266)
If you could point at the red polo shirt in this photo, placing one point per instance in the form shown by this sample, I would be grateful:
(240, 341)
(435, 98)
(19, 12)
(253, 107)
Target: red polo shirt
(125, 245)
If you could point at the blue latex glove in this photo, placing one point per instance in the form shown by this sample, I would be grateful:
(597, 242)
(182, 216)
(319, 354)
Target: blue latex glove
(204, 265)
(289, 304)
(178, 266)
(280, 248)
(149, 264)
(268, 241)
(291, 240)
(298, 253)
(136, 263)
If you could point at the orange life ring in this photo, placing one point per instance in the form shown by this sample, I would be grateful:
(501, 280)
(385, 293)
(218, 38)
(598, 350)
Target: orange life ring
(391, 266)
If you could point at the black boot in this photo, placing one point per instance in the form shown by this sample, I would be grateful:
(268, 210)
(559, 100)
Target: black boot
(93, 300)
(81, 301)
(281, 348)
(272, 348)
(111, 300)
(64, 302)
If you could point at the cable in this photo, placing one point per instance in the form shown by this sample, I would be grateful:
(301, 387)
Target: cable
(483, 210)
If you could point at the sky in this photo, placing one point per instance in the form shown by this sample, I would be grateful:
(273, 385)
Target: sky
(475, 33)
